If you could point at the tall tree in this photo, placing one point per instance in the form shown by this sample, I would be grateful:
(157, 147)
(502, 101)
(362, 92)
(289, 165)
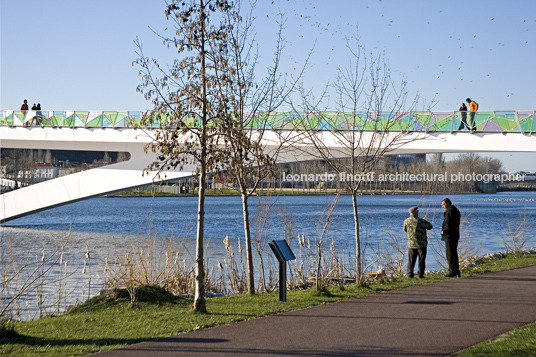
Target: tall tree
(365, 127)
(190, 101)
(252, 101)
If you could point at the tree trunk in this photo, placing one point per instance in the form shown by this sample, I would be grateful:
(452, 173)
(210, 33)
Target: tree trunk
(199, 299)
(249, 254)
(358, 265)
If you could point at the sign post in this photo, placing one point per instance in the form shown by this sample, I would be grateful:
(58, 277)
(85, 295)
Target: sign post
(283, 254)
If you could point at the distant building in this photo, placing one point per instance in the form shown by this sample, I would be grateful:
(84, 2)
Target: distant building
(80, 168)
(407, 159)
(64, 171)
(45, 171)
(96, 164)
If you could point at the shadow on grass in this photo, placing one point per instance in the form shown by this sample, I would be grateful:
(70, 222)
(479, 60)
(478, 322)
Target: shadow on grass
(230, 314)
(50, 342)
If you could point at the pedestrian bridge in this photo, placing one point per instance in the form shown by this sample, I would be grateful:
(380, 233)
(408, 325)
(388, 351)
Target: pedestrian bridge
(125, 131)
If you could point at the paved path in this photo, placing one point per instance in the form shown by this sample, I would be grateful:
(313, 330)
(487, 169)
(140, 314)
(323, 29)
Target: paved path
(429, 320)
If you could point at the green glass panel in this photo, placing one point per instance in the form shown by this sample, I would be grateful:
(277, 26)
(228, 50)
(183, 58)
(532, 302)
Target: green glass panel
(406, 122)
(278, 120)
(353, 122)
(81, 118)
(57, 118)
(254, 122)
(313, 121)
(533, 129)
(149, 119)
(189, 122)
(45, 121)
(506, 124)
(526, 124)
(482, 117)
(9, 119)
(368, 125)
(109, 117)
(389, 124)
(338, 122)
(443, 125)
(105, 121)
(96, 122)
(19, 115)
(422, 119)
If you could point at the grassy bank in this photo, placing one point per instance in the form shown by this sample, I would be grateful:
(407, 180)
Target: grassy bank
(107, 322)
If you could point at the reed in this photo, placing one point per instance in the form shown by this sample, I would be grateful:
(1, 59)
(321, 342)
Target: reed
(21, 280)
(518, 234)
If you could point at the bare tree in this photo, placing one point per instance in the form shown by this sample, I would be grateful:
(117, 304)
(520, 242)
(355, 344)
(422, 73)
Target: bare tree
(365, 128)
(251, 104)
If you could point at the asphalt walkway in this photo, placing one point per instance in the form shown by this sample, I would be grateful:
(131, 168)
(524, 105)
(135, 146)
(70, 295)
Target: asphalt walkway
(429, 320)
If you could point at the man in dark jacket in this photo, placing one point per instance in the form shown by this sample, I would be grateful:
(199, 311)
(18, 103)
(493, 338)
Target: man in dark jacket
(450, 234)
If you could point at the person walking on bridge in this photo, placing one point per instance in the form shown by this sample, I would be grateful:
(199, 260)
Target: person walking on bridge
(473, 107)
(450, 234)
(416, 228)
(463, 112)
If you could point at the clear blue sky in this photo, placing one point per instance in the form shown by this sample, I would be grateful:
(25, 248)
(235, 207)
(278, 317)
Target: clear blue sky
(78, 54)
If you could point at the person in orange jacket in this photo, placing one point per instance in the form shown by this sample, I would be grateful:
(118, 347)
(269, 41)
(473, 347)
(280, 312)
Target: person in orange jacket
(473, 107)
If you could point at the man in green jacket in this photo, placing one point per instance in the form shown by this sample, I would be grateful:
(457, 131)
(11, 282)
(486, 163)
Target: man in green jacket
(417, 241)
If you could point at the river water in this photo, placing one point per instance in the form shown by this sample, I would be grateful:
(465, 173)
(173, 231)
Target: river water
(103, 226)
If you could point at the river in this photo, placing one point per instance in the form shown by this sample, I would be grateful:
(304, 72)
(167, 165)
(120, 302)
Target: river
(106, 225)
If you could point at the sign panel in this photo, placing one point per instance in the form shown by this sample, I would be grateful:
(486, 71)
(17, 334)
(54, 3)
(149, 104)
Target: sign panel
(284, 249)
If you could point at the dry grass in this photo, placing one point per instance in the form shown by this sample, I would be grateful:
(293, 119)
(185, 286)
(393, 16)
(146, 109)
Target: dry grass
(23, 282)
(156, 261)
(517, 236)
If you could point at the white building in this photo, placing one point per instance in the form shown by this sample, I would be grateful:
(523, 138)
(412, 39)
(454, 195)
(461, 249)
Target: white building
(45, 171)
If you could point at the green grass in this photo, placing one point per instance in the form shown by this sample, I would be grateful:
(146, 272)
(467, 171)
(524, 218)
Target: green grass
(108, 322)
(518, 342)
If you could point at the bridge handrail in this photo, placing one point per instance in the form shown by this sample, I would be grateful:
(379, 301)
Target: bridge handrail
(488, 121)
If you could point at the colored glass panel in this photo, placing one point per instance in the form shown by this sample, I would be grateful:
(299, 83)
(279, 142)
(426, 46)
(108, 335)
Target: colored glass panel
(80, 118)
(525, 120)
(507, 121)
(422, 120)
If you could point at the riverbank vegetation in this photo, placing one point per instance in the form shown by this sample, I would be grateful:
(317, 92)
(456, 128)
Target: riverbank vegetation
(389, 166)
(112, 320)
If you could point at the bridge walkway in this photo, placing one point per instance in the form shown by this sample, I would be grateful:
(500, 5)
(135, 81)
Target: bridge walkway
(428, 320)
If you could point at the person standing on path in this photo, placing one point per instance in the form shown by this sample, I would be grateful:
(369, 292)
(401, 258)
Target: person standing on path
(416, 228)
(450, 234)
(473, 107)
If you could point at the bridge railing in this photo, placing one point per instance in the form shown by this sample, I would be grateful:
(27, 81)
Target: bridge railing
(488, 121)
